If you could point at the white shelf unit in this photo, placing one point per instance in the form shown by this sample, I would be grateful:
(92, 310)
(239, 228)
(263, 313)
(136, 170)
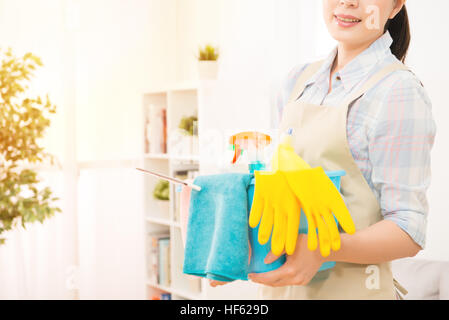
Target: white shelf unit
(184, 100)
(179, 101)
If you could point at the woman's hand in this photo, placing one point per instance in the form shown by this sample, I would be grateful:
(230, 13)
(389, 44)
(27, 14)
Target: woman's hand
(298, 269)
(216, 283)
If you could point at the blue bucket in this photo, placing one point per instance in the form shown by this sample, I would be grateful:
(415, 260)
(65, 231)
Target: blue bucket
(259, 252)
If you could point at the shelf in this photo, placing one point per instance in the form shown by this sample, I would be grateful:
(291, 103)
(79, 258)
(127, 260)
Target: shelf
(185, 157)
(166, 156)
(180, 100)
(164, 222)
(181, 293)
(183, 86)
(157, 156)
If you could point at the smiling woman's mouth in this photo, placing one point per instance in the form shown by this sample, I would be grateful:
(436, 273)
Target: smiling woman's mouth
(346, 22)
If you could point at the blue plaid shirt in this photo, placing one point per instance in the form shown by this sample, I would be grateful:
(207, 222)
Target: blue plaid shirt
(390, 130)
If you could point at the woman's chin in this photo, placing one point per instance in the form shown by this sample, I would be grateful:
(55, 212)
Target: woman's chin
(346, 36)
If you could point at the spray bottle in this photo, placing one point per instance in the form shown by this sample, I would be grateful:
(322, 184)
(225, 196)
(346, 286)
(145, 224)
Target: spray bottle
(253, 146)
(284, 159)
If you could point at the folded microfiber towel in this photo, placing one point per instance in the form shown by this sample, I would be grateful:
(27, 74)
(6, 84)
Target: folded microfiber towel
(217, 243)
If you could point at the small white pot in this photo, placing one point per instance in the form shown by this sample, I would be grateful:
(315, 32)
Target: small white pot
(186, 147)
(163, 207)
(208, 70)
(195, 150)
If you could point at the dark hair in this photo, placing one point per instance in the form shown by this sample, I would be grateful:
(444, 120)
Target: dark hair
(399, 29)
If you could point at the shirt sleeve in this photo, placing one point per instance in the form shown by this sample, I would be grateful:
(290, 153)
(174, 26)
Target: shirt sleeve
(399, 146)
(286, 88)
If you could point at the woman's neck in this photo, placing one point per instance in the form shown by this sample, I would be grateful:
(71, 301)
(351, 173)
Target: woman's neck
(345, 54)
(342, 58)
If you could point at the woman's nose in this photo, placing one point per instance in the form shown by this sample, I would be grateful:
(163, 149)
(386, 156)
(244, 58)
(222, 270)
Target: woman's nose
(352, 3)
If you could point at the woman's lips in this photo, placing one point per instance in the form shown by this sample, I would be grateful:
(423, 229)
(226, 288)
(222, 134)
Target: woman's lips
(345, 22)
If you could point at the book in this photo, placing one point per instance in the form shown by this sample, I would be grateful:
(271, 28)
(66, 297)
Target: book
(165, 296)
(164, 261)
(164, 130)
(153, 255)
(147, 133)
(181, 174)
(162, 296)
(157, 129)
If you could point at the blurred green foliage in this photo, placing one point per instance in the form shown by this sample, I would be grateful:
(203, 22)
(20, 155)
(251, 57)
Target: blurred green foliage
(188, 124)
(161, 190)
(208, 53)
(23, 121)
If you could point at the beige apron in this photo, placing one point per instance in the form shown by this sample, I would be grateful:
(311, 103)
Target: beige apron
(319, 137)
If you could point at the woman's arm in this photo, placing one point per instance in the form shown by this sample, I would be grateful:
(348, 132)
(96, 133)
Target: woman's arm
(399, 147)
(380, 242)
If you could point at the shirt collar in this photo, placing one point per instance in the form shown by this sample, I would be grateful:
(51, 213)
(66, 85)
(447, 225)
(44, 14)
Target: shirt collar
(357, 68)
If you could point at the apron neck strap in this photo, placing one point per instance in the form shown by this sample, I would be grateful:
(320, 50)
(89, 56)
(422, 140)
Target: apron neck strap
(373, 80)
(305, 75)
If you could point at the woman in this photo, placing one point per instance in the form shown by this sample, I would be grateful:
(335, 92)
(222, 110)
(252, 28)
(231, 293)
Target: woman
(377, 120)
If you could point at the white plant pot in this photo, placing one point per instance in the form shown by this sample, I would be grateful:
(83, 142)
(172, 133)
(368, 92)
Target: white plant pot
(163, 207)
(186, 145)
(208, 70)
(175, 143)
(195, 150)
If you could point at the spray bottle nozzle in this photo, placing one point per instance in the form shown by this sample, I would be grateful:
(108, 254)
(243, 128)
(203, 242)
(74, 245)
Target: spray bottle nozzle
(250, 142)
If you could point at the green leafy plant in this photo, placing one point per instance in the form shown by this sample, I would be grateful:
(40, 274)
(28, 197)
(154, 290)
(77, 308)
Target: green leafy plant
(161, 190)
(23, 120)
(208, 53)
(187, 124)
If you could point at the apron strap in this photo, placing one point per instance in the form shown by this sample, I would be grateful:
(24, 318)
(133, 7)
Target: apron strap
(400, 290)
(305, 75)
(314, 67)
(371, 82)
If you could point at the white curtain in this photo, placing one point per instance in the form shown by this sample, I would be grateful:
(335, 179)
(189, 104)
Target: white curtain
(38, 262)
(33, 261)
(94, 248)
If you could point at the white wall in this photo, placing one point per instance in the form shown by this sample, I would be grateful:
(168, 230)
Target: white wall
(117, 61)
(260, 41)
(428, 59)
(197, 23)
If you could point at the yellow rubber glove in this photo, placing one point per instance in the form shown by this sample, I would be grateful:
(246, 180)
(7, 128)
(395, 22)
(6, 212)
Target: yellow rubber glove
(272, 190)
(320, 198)
(277, 209)
(315, 193)
(285, 158)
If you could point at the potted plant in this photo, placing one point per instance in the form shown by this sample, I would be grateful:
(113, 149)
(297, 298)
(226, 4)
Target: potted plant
(208, 62)
(23, 121)
(189, 128)
(161, 193)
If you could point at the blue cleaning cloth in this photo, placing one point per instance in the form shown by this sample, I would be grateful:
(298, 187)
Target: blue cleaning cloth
(217, 231)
